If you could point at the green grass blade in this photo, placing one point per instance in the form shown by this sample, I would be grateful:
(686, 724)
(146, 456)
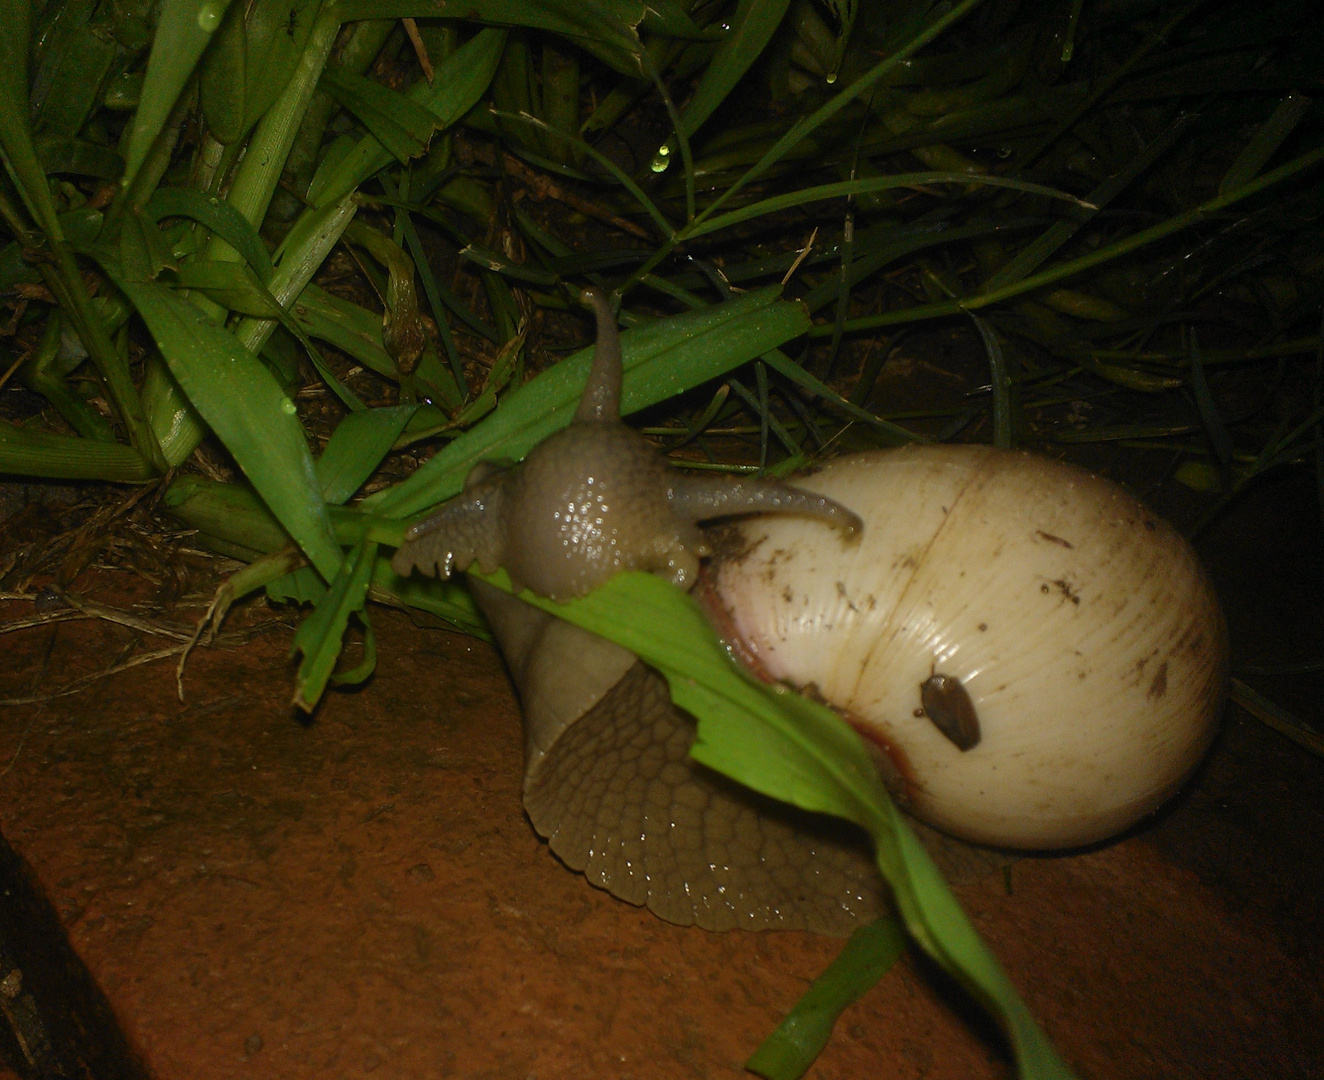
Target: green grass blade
(361, 671)
(174, 420)
(865, 186)
(454, 389)
(1214, 427)
(447, 600)
(33, 452)
(243, 404)
(796, 373)
(499, 264)
(788, 1052)
(606, 28)
(751, 28)
(397, 121)
(615, 171)
(305, 249)
(1003, 416)
(1101, 255)
(789, 748)
(560, 99)
(661, 359)
(218, 216)
(1033, 255)
(232, 518)
(1264, 143)
(357, 447)
(806, 126)
(1276, 717)
(20, 156)
(460, 80)
(183, 30)
(670, 18)
(264, 159)
(346, 326)
(789, 369)
(232, 285)
(232, 512)
(320, 635)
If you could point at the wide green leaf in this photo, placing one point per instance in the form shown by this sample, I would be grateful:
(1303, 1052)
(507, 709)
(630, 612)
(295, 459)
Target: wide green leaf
(20, 156)
(357, 447)
(275, 34)
(66, 154)
(232, 285)
(243, 404)
(72, 59)
(347, 326)
(224, 79)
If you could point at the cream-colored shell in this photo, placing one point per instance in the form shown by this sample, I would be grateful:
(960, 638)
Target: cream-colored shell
(1081, 625)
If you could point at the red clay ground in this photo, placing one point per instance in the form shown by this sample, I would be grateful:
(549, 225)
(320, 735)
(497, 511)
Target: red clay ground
(263, 897)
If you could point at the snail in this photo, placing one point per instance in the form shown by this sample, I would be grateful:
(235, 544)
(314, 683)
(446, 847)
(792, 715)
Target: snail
(960, 705)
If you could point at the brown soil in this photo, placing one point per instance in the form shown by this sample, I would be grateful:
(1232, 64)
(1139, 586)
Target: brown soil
(260, 896)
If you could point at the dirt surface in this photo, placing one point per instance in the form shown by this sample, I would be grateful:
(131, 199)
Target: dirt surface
(262, 896)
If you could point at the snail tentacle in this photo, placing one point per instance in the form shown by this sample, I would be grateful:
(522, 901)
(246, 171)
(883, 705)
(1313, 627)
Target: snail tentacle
(602, 394)
(702, 498)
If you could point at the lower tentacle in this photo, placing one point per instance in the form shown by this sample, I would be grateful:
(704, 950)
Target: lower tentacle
(701, 498)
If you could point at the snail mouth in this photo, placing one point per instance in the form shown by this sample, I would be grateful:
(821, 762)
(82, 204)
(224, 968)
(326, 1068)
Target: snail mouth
(720, 618)
(893, 763)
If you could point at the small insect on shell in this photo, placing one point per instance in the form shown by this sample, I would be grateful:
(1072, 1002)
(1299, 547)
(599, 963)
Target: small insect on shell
(1036, 658)
(945, 701)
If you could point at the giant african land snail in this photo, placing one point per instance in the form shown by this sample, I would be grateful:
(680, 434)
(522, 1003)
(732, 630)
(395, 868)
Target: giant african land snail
(1037, 660)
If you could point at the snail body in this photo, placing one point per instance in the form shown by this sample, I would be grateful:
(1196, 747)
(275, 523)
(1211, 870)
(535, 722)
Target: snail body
(1036, 658)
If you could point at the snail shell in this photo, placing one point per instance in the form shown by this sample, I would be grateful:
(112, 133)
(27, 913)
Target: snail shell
(1038, 660)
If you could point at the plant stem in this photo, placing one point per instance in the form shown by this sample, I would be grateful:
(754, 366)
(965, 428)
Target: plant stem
(269, 147)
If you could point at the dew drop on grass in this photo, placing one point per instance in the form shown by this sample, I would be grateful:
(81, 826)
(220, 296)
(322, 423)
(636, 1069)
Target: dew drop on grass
(287, 406)
(209, 17)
